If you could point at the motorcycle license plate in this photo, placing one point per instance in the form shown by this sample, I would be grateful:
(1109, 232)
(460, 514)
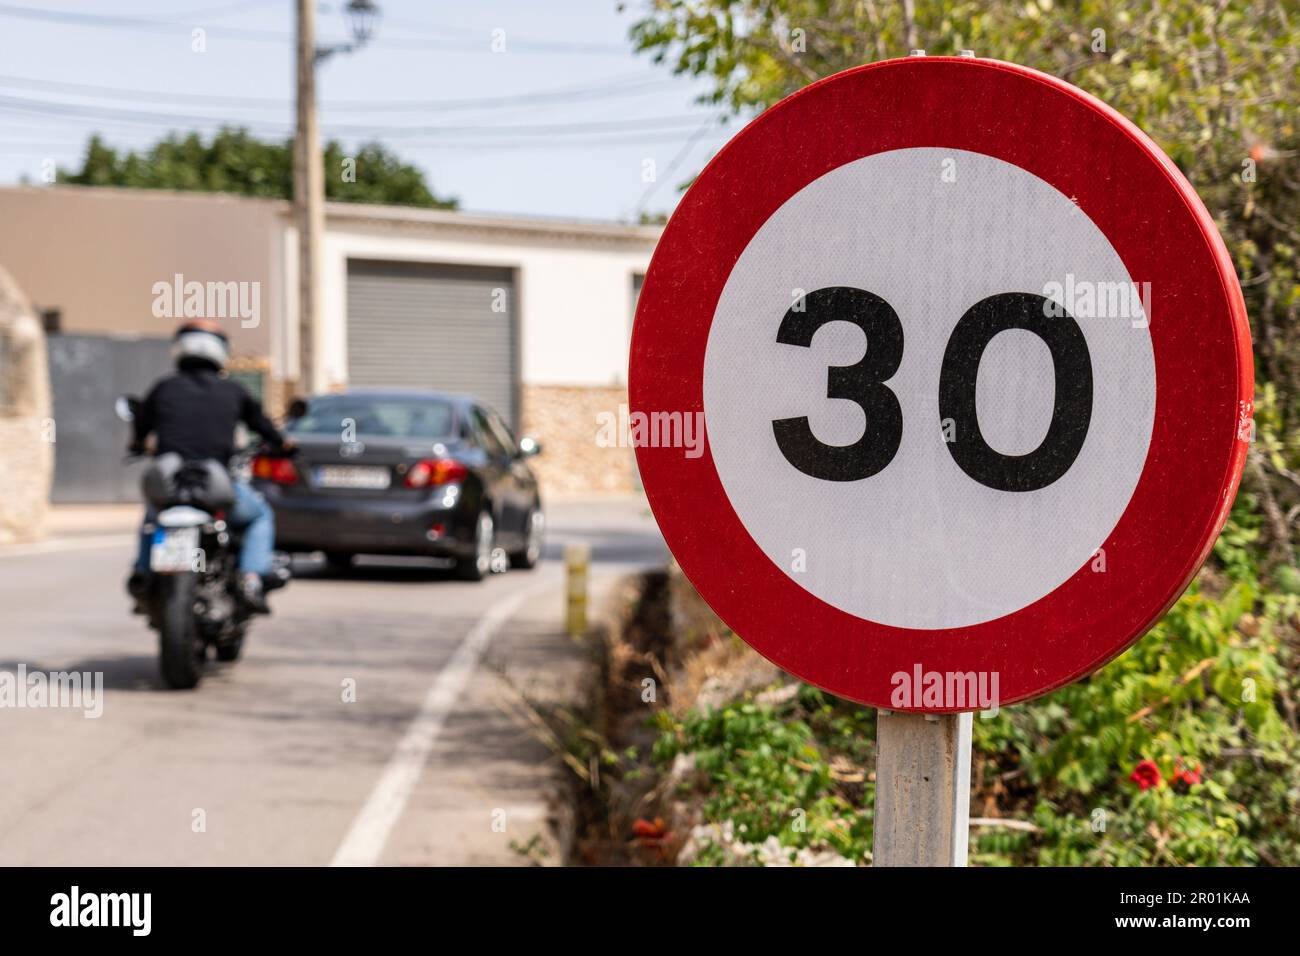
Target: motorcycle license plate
(174, 549)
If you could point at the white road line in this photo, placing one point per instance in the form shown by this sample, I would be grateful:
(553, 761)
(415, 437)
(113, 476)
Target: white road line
(369, 832)
(65, 544)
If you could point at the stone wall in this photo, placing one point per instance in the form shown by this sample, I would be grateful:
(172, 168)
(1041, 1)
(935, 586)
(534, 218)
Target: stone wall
(564, 418)
(27, 429)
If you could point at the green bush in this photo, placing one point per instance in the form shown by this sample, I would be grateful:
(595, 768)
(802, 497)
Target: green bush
(794, 771)
(1214, 683)
(1203, 692)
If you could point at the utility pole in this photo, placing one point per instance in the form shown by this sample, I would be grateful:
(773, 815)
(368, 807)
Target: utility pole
(309, 180)
(309, 205)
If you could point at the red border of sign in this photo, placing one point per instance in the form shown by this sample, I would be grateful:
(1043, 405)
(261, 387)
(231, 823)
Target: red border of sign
(1149, 213)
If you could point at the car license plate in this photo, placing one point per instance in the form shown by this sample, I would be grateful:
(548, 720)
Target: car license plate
(174, 549)
(353, 476)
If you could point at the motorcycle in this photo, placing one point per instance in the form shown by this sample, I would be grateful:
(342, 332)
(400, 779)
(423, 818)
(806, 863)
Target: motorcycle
(192, 596)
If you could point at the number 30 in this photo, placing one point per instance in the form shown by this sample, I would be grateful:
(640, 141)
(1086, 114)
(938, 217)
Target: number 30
(864, 383)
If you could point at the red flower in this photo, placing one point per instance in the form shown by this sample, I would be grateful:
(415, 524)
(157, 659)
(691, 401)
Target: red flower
(1146, 775)
(649, 833)
(1184, 774)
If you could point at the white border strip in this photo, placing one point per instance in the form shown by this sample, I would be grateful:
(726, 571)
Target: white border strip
(370, 830)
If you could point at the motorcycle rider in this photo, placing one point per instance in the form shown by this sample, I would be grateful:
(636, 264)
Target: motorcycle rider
(194, 413)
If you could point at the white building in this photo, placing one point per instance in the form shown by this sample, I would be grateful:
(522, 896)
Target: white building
(531, 315)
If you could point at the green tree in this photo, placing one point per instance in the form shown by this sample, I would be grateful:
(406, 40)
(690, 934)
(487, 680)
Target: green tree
(235, 162)
(1215, 84)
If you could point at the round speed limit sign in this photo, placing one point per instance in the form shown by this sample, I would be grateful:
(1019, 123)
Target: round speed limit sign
(972, 371)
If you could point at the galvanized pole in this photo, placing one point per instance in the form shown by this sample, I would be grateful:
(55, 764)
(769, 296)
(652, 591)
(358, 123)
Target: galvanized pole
(922, 813)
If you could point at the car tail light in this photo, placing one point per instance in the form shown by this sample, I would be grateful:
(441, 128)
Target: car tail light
(434, 471)
(278, 470)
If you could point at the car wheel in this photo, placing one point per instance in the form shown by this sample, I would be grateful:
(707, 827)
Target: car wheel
(475, 567)
(535, 528)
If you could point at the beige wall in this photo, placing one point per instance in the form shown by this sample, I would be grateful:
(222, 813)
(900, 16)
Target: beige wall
(564, 419)
(95, 254)
(574, 284)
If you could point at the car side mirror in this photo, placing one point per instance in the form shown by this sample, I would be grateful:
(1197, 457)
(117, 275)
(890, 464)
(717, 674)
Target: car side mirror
(126, 407)
(297, 409)
(528, 447)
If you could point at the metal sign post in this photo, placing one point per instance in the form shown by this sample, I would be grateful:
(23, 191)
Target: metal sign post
(922, 789)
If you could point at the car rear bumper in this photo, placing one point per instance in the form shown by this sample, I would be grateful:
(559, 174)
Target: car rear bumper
(370, 526)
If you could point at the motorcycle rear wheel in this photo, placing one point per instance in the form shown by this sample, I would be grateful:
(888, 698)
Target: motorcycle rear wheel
(181, 650)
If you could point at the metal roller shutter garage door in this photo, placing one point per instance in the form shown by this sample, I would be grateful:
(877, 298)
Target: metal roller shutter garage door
(423, 325)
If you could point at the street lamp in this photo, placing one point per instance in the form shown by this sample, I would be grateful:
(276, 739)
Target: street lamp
(362, 16)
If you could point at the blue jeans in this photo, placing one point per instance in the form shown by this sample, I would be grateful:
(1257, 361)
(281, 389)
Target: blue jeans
(251, 513)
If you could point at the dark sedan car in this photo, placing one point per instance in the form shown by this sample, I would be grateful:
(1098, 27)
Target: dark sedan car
(405, 473)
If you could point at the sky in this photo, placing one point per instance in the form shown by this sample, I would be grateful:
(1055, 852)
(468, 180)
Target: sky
(565, 121)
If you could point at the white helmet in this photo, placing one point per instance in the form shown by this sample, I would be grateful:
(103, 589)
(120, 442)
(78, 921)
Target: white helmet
(201, 339)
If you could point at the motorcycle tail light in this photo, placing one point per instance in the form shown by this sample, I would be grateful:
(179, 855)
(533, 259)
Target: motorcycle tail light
(434, 471)
(278, 470)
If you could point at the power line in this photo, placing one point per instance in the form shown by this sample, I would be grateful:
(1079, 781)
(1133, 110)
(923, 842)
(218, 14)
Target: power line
(671, 168)
(172, 27)
(553, 46)
(110, 21)
(569, 145)
(602, 140)
(82, 111)
(609, 139)
(225, 9)
(614, 87)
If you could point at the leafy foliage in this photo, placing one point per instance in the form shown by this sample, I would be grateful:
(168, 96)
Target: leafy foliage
(1213, 686)
(794, 771)
(1200, 692)
(235, 162)
(1215, 84)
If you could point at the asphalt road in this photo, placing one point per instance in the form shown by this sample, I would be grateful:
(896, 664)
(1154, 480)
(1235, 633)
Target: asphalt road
(266, 762)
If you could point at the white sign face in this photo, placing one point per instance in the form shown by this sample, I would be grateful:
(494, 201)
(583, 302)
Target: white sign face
(923, 541)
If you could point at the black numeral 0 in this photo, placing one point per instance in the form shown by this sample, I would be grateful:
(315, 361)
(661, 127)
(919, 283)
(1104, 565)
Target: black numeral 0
(863, 383)
(1071, 410)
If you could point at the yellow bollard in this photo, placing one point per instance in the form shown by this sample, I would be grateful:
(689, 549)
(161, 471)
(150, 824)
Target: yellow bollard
(577, 558)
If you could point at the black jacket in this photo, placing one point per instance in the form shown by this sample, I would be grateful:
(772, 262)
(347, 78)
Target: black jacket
(195, 411)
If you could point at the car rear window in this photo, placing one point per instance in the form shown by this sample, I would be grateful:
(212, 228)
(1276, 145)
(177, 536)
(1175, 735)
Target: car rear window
(386, 417)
